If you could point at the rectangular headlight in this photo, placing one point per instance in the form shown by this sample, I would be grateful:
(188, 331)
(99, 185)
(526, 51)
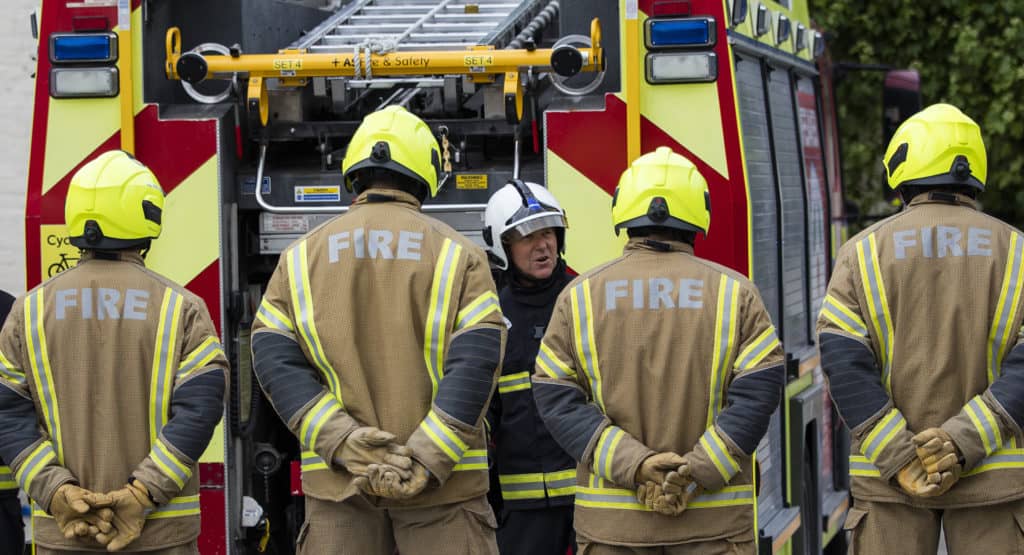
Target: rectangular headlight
(84, 82)
(681, 67)
(687, 32)
(83, 47)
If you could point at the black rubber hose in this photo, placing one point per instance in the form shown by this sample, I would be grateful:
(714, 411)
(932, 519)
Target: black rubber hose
(536, 25)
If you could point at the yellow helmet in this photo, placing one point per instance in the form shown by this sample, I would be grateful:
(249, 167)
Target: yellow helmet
(394, 139)
(662, 189)
(937, 146)
(113, 202)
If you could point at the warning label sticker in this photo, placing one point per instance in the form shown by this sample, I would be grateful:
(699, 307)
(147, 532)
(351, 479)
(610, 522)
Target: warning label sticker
(56, 251)
(471, 181)
(318, 193)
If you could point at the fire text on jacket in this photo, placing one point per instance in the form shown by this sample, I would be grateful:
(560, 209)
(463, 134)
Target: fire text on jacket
(375, 243)
(102, 304)
(655, 293)
(942, 241)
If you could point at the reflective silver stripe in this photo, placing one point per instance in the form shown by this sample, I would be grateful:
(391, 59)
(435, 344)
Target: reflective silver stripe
(41, 369)
(308, 459)
(305, 317)
(515, 382)
(473, 459)
(32, 467)
(723, 327)
(863, 466)
(836, 313)
(712, 441)
(724, 496)
(522, 486)
(880, 305)
(273, 320)
(997, 343)
(981, 416)
(751, 357)
(314, 423)
(586, 348)
(442, 434)
(873, 449)
(607, 497)
(440, 315)
(187, 505)
(197, 359)
(488, 305)
(550, 364)
(606, 446)
(162, 393)
(160, 452)
(563, 483)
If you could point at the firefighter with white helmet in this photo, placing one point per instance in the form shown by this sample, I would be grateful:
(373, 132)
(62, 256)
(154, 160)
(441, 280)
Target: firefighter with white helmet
(920, 337)
(525, 236)
(378, 342)
(659, 372)
(110, 372)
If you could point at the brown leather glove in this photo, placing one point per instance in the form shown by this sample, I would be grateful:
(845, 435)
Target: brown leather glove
(386, 481)
(130, 506)
(76, 516)
(368, 445)
(680, 488)
(913, 478)
(940, 458)
(655, 467)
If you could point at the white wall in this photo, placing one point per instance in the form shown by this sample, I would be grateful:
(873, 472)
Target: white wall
(17, 48)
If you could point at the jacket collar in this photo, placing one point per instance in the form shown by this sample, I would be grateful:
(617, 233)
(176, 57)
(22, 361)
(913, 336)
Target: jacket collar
(657, 245)
(130, 255)
(937, 197)
(375, 196)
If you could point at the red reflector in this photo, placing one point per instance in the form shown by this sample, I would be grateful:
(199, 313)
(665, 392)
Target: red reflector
(296, 478)
(85, 23)
(671, 8)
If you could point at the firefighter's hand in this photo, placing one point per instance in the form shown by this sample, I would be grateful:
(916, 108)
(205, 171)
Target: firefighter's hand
(368, 445)
(914, 480)
(680, 488)
(656, 467)
(387, 481)
(940, 458)
(76, 515)
(129, 506)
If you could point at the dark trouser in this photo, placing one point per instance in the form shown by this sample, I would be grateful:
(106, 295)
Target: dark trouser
(537, 532)
(12, 531)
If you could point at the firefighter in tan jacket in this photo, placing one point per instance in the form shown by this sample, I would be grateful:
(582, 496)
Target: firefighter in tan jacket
(658, 373)
(379, 340)
(920, 332)
(110, 372)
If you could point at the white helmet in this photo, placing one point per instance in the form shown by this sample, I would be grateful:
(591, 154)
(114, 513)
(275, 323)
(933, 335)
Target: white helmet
(523, 208)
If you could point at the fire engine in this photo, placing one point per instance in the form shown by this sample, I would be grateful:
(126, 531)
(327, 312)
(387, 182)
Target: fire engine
(243, 110)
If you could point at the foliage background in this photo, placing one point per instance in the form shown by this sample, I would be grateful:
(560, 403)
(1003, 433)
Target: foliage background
(969, 54)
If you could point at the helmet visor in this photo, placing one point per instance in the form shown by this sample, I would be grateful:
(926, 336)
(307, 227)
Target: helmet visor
(537, 222)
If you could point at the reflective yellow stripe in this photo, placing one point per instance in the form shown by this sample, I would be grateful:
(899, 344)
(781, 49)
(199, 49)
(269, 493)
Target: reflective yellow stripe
(274, 318)
(7, 478)
(443, 437)
(878, 306)
(881, 434)
(162, 380)
(522, 486)
(477, 310)
(837, 313)
(718, 452)
(560, 483)
(514, 382)
(179, 506)
(311, 462)
(1002, 459)
(985, 423)
(759, 348)
(302, 306)
(39, 360)
(315, 418)
(10, 372)
(725, 340)
(200, 358)
(604, 451)
(553, 366)
(1006, 309)
(861, 466)
(586, 346)
(174, 468)
(437, 311)
(473, 459)
(617, 498)
(36, 460)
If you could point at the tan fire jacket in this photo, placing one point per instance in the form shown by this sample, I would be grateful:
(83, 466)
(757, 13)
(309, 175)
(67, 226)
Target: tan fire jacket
(659, 351)
(920, 328)
(110, 371)
(383, 317)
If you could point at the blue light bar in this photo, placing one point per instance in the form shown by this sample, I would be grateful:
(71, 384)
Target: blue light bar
(83, 47)
(690, 32)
